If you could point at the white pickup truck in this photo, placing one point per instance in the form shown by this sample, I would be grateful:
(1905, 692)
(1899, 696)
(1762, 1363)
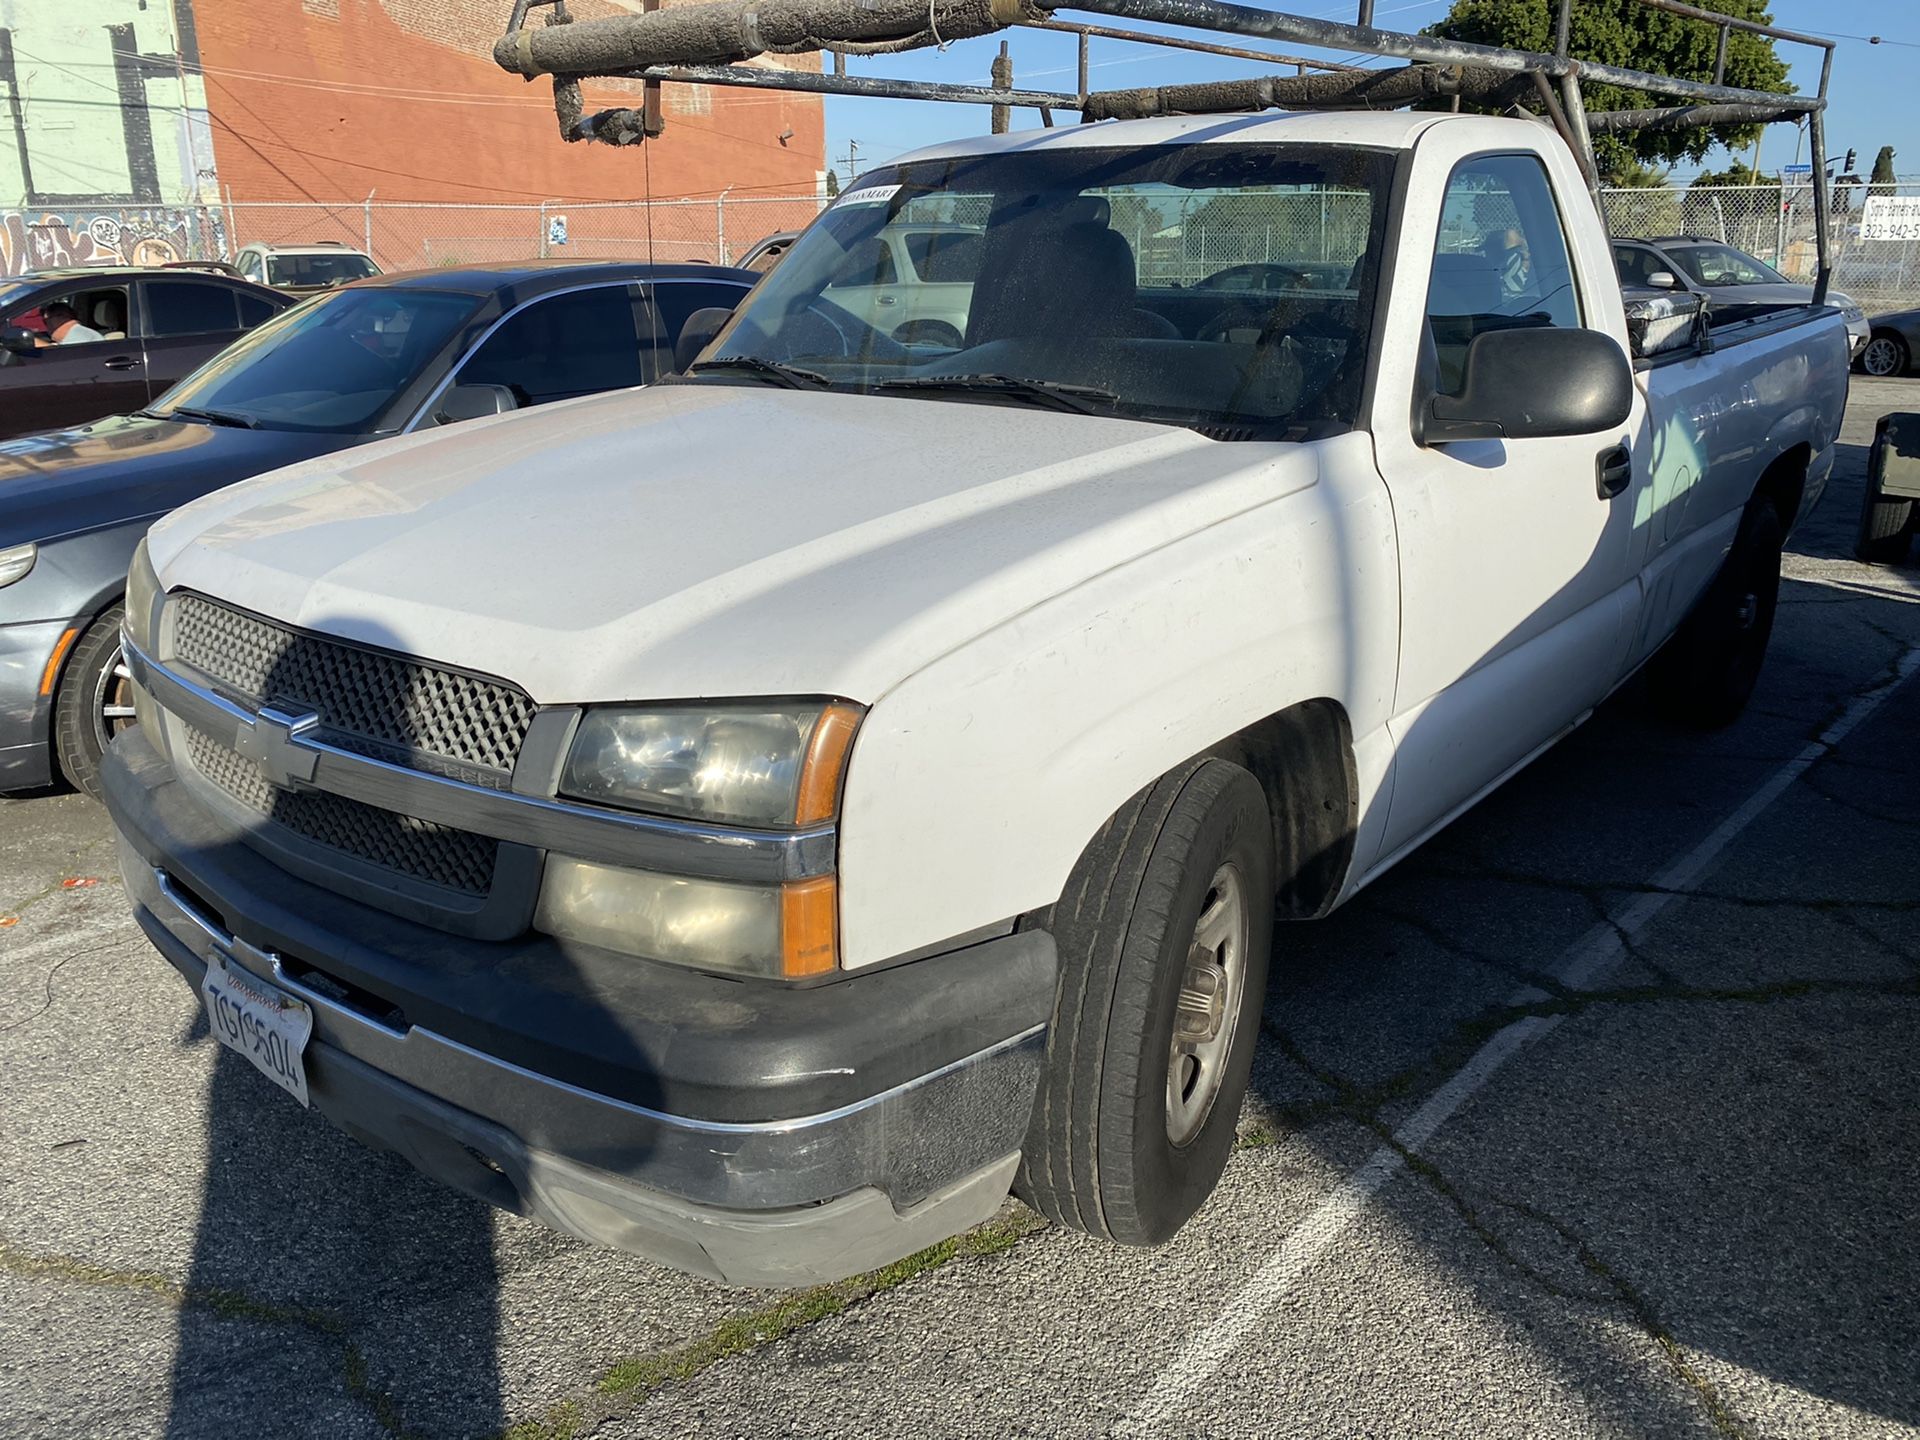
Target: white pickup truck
(759, 821)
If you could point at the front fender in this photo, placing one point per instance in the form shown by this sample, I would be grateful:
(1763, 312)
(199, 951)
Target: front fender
(976, 782)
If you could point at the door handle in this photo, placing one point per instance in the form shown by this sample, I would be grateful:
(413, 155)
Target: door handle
(884, 299)
(1613, 472)
(120, 362)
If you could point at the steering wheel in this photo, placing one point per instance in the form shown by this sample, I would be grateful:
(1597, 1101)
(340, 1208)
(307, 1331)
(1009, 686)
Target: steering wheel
(1266, 320)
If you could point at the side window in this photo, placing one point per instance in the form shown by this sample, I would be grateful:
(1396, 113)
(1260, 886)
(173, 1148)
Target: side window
(1501, 262)
(254, 311)
(869, 263)
(560, 347)
(674, 301)
(181, 307)
(99, 313)
(947, 257)
(250, 266)
(1635, 264)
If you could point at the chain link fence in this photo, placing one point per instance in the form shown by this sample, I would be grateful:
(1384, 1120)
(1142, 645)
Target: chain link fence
(1319, 228)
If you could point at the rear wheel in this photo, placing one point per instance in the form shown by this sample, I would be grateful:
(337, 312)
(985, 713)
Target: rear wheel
(1164, 935)
(1886, 531)
(95, 702)
(1708, 670)
(1884, 354)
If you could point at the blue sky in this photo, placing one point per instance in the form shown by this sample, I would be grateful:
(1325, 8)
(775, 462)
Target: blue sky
(1873, 90)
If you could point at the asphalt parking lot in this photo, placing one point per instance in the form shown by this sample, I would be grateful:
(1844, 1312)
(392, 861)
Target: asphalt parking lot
(1599, 1117)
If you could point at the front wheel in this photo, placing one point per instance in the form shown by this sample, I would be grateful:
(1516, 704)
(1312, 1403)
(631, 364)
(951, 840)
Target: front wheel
(95, 702)
(1164, 934)
(1884, 355)
(1708, 670)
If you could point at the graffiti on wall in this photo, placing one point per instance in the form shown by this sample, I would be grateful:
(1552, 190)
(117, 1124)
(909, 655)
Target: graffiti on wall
(32, 240)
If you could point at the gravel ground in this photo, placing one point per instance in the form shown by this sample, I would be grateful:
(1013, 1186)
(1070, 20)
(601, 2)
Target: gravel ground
(1599, 1116)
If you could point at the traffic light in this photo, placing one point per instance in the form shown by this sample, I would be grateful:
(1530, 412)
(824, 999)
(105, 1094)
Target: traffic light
(1847, 169)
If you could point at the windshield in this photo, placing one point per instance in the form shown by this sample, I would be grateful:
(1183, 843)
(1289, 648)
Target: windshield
(319, 269)
(334, 363)
(1724, 265)
(1224, 287)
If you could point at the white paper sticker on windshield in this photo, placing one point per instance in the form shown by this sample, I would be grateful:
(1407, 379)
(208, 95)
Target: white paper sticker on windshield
(871, 195)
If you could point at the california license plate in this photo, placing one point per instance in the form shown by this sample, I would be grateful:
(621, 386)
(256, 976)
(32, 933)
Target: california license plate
(269, 1028)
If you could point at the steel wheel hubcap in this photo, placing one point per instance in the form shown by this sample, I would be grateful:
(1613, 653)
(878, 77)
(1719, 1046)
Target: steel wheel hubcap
(1207, 1010)
(112, 699)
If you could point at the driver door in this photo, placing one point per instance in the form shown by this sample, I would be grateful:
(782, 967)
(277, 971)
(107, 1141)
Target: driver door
(61, 386)
(1518, 586)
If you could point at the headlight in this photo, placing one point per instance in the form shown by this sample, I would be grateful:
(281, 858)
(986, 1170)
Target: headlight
(143, 593)
(16, 561)
(1853, 314)
(735, 764)
(766, 764)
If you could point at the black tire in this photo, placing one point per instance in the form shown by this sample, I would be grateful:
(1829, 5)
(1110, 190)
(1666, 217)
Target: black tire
(80, 729)
(1884, 354)
(1100, 1156)
(1708, 670)
(1886, 531)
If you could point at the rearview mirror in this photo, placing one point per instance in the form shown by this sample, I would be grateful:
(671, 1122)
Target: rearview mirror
(1534, 383)
(1663, 280)
(16, 339)
(472, 402)
(698, 333)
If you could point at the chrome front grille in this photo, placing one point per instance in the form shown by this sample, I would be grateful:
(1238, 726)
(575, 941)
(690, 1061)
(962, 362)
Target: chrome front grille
(456, 860)
(386, 706)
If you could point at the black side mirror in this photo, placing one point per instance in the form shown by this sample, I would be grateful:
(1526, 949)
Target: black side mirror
(472, 402)
(697, 334)
(17, 340)
(1533, 383)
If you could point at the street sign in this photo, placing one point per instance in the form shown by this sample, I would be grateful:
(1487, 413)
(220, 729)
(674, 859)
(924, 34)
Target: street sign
(1801, 169)
(1891, 217)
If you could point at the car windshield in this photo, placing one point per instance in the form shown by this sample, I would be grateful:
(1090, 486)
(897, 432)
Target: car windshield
(332, 364)
(319, 269)
(1220, 286)
(1724, 265)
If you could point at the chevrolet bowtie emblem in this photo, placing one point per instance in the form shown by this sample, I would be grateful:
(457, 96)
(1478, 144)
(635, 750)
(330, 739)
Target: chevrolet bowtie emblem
(271, 742)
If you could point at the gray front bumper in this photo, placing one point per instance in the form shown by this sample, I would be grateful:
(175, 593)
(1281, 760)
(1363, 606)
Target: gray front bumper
(784, 1202)
(26, 716)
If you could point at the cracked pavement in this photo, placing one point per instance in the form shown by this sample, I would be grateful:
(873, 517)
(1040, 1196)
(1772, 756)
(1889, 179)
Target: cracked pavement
(1685, 1207)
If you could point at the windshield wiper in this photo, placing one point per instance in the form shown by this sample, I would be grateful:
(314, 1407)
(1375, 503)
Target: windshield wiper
(791, 376)
(210, 417)
(1076, 399)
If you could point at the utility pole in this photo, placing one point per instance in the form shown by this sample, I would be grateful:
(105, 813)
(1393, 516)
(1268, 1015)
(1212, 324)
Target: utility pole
(1002, 80)
(853, 151)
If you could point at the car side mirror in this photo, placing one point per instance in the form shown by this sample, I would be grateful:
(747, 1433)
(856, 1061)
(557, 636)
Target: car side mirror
(1534, 383)
(473, 402)
(1663, 280)
(697, 334)
(16, 340)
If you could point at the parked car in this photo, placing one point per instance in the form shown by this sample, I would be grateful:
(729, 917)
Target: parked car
(304, 269)
(155, 326)
(765, 252)
(913, 285)
(1726, 277)
(391, 356)
(757, 821)
(1893, 341)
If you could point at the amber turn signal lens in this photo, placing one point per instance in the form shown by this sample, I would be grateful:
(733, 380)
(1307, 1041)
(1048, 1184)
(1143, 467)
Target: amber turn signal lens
(809, 927)
(826, 763)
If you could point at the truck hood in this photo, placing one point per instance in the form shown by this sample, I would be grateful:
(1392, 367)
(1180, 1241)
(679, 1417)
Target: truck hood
(65, 481)
(713, 539)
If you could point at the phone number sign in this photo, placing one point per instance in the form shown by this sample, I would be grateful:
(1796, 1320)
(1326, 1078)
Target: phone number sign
(1891, 217)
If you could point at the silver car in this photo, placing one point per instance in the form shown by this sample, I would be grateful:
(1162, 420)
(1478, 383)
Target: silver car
(1725, 276)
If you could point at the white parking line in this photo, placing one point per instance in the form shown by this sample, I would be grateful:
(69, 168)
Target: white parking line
(1587, 961)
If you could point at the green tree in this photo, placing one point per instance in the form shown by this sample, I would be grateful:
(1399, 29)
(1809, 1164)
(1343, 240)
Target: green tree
(1738, 173)
(1882, 172)
(1624, 33)
(833, 184)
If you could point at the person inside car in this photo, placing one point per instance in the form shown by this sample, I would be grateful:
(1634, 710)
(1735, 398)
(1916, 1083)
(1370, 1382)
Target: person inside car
(64, 327)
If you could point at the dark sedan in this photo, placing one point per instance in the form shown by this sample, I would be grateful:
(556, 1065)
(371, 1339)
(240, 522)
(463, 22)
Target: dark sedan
(136, 333)
(376, 358)
(1892, 342)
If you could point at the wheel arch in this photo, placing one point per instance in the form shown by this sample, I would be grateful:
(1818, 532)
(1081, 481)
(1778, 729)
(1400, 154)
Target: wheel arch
(1783, 483)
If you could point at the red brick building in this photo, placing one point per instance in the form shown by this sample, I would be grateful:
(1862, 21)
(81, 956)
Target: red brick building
(332, 100)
